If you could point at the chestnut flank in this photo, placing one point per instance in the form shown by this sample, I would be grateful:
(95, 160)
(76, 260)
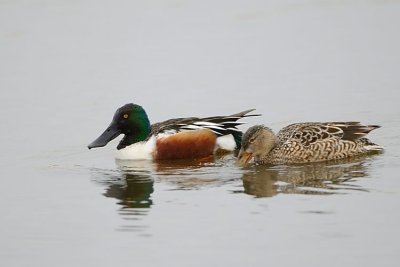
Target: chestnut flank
(188, 144)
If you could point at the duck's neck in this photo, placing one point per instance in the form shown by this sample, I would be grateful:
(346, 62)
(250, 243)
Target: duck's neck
(138, 133)
(129, 140)
(270, 141)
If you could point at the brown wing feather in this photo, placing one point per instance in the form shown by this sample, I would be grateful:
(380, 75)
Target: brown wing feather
(311, 132)
(353, 132)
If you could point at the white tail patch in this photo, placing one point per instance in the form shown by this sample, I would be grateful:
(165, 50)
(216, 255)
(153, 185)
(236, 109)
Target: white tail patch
(226, 142)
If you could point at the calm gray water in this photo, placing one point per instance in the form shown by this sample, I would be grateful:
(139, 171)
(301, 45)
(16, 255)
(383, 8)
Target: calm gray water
(67, 65)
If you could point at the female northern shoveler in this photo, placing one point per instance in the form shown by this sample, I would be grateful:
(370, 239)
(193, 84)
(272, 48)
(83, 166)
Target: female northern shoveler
(306, 142)
(172, 139)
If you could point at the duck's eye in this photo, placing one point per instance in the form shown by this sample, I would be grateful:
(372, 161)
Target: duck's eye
(125, 116)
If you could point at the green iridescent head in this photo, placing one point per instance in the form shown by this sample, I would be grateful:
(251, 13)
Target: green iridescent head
(130, 120)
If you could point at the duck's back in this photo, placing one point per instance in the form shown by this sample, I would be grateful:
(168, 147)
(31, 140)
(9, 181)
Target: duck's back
(315, 142)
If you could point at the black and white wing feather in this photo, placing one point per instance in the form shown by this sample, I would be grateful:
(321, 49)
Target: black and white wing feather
(220, 125)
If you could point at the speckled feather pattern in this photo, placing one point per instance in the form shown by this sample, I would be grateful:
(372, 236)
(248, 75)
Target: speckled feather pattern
(314, 142)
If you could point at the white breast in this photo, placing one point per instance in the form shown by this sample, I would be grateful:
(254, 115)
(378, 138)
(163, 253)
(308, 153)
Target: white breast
(137, 151)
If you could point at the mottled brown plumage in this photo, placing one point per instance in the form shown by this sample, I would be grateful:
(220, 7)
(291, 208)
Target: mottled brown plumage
(306, 142)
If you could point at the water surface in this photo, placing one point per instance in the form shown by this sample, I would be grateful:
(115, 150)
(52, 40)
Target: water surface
(67, 65)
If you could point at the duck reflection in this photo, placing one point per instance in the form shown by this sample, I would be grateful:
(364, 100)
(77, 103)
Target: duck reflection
(186, 174)
(138, 185)
(134, 192)
(131, 184)
(315, 179)
(197, 173)
(133, 181)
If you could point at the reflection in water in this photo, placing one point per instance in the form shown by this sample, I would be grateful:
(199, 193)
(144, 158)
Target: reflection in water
(133, 182)
(195, 174)
(316, 178)
(135, 192)
(132, 185)
(186, 174)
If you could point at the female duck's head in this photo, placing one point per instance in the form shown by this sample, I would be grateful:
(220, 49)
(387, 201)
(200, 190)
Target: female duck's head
(257, 142)
(130, 120)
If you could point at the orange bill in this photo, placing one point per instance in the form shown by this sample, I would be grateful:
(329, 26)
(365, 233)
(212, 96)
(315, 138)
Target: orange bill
(244, 158)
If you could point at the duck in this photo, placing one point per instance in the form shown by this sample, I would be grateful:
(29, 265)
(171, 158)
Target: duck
(178, 138)
(306, 143)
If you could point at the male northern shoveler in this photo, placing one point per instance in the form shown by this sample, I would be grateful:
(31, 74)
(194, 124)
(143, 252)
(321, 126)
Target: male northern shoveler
(306, 142)
(172, 139)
